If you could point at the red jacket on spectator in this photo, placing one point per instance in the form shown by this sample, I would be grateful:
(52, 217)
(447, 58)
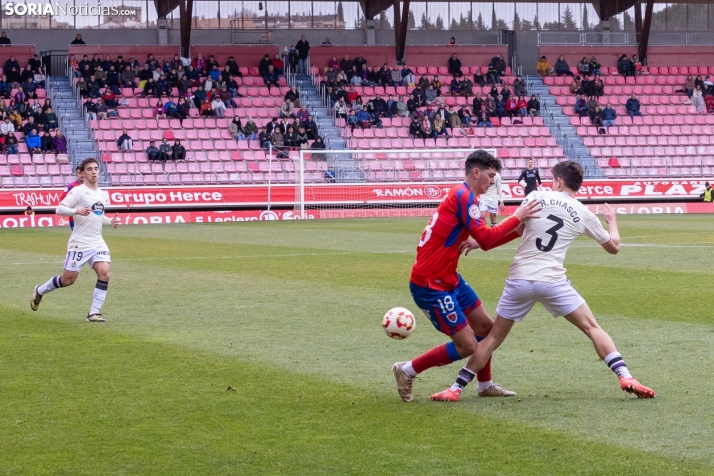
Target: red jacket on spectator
(277, 63)
(522, 104)
(199, 64)
(511, 105)
(352, 96)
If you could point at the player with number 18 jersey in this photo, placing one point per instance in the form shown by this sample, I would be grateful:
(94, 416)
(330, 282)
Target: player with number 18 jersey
(439, 291)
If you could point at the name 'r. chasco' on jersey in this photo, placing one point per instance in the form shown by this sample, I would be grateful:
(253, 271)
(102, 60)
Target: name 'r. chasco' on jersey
(565, 205)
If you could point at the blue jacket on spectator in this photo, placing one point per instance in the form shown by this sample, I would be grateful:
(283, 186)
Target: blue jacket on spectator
(271, 77)
(214, 74)
(33, 141)
(609, 114)
(631, 105)
(29, 87)
(363, 116)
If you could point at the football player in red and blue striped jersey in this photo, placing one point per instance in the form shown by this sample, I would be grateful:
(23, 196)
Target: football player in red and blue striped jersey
(439, 291)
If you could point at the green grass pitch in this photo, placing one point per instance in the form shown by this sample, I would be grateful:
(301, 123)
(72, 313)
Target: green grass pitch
(288, 315)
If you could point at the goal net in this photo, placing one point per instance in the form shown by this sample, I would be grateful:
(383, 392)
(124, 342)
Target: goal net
(376, 183)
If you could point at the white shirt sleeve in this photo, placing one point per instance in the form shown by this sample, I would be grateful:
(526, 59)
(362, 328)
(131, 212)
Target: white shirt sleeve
(594, 229)
(67, 205)
(499, 189)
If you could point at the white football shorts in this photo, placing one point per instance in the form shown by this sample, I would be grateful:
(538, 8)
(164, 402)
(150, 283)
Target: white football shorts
(490, 207)
(76, 259)
(519, 296)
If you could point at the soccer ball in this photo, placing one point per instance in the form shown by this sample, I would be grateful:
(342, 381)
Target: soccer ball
(398, 323)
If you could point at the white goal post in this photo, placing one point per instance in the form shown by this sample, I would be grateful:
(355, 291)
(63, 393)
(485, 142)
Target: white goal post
(376, 183)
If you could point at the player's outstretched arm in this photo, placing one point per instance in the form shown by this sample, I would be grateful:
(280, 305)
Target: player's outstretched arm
(612, 246)
(489, 238)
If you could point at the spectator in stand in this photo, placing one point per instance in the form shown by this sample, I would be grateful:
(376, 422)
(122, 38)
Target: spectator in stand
(27, 73)
(455, 87)
(533, 106)
(455, 66)
(408, 76)
(576, 86)
(183, 108)
(385, 75)
(5, 87)
(291, 138)
(561, 67)
(399, 108)
(522, 106)
(319, 144)
(501, 110)
(34, 144)
(519, 86)
(11, 143)
(163, 88)
(689, 85)
(250, 129)
(90, 109)
(592, 104)
(109, 98)
(78, 40)
(699, 81)
(608, 116)
(125, 142)
(341, 108)
(598, 87)
(397, 76)
(436, 84)
(199, 63)
(287, 109)
(709, 100)
(380, 107)
(624, 66)
(102, 109)
(334, 64)
(587, 86)
(594, 66)
(353, 120)
(301, 138)
(430, 95)
(452, 42)
(439, 127)
(413, 103)
(466, 86)
(128, 78)
(584, 66)
(60, 143)
(218, 108)
(479, 79)
(303, 50)
(150, 89)
(511, 106)
(483, 117)
(271, 77)
(159, 111)
(178, 152)
(152, 152)
(464, 116)
(278, 65)
(47, 143)
(29, 126)
(20, 96)
(581, 106)
(227, 97)
(235, 129)
(633, 106)
(50, 120)
(30, 87)
(698, 99)
(499, 65)
(4, 40)
(415, 129)
(635, 65)
(492, 76)
(165, 150)
(423, 82)
(543, 67)
(454, 121)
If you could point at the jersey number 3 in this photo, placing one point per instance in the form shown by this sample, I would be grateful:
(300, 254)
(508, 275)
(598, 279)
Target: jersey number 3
(552, 232)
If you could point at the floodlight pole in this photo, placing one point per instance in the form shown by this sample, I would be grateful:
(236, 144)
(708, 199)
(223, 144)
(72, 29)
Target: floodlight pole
(401, 25)
(642, 50)
(186, 12)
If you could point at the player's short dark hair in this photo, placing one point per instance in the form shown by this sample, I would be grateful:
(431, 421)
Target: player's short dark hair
(571, 173)
(78, 169)
(483, 161)
(86, 161)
